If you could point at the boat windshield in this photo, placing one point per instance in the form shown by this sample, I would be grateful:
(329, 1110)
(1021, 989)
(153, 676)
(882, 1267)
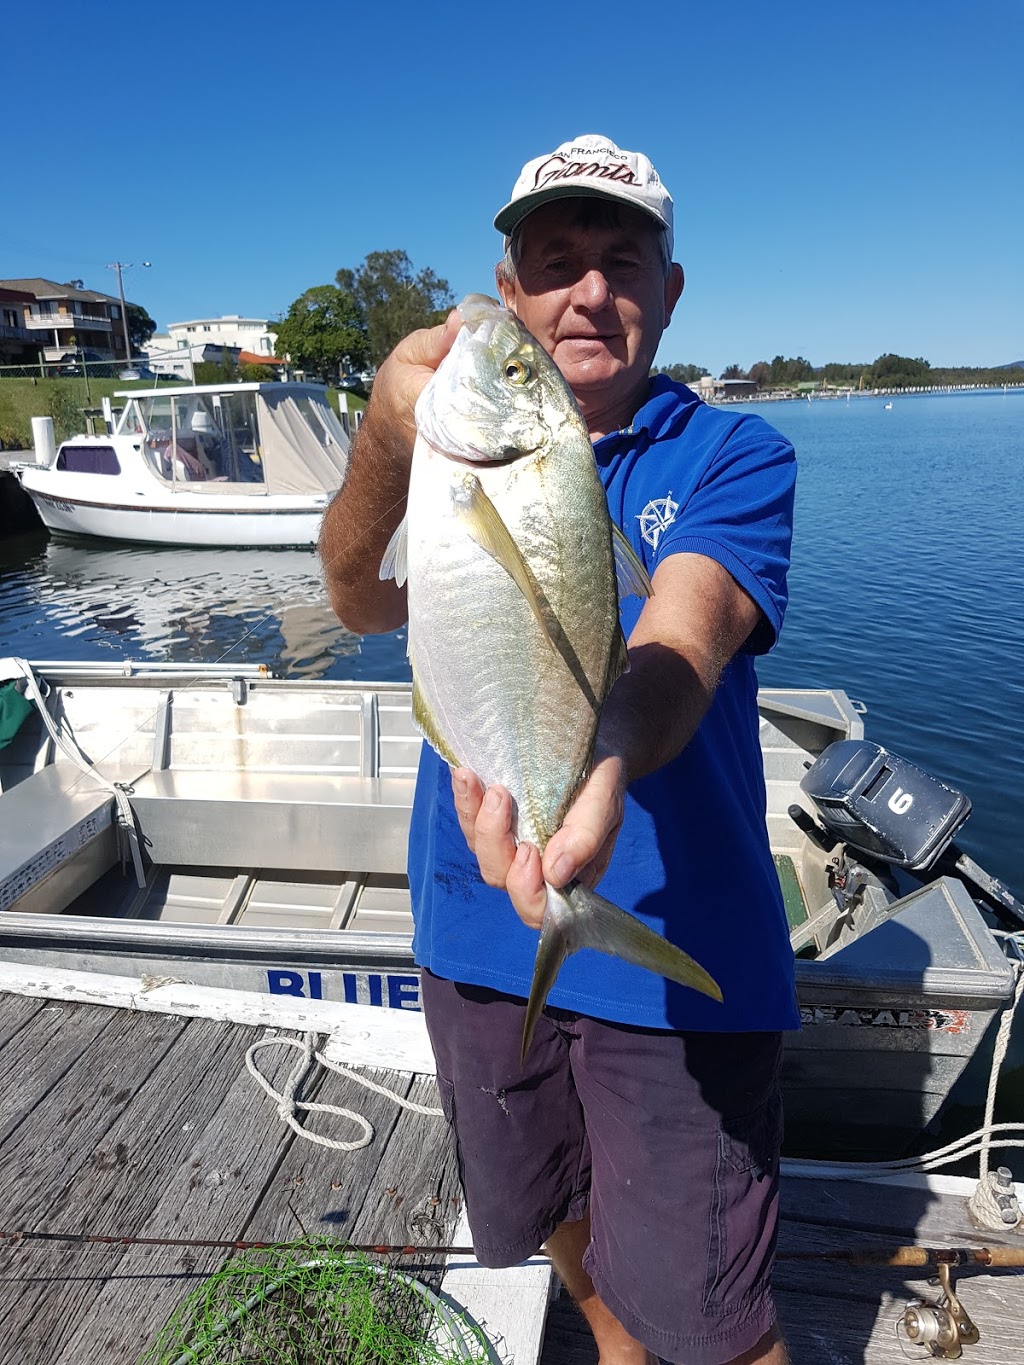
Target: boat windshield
(198, 437)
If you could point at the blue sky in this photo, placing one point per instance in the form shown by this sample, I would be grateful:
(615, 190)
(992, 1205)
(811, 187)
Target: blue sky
(847, 180)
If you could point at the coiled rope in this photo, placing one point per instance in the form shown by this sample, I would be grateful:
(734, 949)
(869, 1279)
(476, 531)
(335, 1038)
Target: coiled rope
(287, 1104)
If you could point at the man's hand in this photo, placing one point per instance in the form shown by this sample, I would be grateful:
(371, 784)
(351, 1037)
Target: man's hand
(580, 849)
(402, 377)
(364, 514)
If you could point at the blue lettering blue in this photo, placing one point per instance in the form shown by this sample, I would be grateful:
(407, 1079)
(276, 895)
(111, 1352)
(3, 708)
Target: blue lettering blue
(404, 992)
(285, 983)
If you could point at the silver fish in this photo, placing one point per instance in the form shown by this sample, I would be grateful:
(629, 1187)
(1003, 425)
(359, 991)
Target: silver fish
(514, 572)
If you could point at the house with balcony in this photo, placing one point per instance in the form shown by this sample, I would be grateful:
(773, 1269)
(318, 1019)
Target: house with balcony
(16, 341)
(67, 321)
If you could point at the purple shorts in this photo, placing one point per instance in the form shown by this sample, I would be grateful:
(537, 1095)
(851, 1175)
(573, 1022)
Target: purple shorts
(670, 1139)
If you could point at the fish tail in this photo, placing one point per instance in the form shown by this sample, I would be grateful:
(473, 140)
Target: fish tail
(556, 943)
(590, 921)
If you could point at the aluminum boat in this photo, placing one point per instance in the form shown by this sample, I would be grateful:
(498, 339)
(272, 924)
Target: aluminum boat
(227, 828)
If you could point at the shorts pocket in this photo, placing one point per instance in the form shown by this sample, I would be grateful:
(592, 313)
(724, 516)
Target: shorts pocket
(446, 1090)
(744, 1207)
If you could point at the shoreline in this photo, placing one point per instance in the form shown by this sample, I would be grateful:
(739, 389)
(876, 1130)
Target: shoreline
(787, 396)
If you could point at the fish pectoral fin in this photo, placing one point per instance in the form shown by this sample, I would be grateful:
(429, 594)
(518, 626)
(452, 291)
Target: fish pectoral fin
(395, 563)
(630, 574)
(483, 522)
(426, 723)
(599, 924)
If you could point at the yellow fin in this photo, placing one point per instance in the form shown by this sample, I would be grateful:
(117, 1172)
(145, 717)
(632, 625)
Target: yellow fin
(429, 728)
(630, 573)
(483, 522)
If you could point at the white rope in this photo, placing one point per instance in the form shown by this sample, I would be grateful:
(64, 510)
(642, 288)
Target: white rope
(125, 814)
(287, 1104)
(983, 1203)
(991, 1195)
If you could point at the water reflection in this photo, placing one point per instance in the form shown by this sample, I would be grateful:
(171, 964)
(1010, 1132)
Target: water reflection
(79, 600)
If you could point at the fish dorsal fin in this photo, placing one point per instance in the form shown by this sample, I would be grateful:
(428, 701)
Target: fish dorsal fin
(426, 723)
(395, 563)
(630, 573)
(483, 522)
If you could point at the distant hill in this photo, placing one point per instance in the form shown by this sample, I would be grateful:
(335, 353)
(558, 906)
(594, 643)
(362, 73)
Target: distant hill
(1012, 365)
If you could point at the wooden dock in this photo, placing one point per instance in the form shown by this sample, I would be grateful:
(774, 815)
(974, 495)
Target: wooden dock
(117, 1122)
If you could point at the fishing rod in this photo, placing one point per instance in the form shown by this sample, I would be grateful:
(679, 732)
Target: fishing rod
(997, 1257)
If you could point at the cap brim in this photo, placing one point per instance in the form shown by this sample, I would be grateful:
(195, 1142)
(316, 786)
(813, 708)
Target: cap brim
(508, 218)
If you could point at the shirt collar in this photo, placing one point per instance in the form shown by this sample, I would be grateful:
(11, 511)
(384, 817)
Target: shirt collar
(668, 405)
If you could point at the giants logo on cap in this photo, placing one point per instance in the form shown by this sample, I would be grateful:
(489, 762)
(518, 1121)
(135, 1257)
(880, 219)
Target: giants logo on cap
(559, 167)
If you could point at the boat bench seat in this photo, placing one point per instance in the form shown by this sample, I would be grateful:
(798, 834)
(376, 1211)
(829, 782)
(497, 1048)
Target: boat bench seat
(301, 821)
(57, 834)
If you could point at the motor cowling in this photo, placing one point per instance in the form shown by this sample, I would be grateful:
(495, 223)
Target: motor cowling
(884, 805)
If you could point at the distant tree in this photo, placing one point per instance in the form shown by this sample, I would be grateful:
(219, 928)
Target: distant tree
(841, 373)
(785, 372)
(392, 300)
(682, 374)
(760, 372)
(733, 372)
(140, 326)
(323, 329)
(256, 374)
(899, 371)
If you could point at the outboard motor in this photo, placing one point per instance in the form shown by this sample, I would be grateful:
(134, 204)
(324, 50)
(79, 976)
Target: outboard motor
(889, 809)
(883, 805)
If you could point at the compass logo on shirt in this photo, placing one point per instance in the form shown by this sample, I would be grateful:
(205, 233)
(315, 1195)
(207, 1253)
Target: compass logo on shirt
(657, 516)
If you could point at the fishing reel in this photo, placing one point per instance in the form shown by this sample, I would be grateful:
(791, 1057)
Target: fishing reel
(943, 1327)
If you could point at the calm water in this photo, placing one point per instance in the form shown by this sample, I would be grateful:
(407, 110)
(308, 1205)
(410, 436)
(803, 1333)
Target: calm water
(907, 590)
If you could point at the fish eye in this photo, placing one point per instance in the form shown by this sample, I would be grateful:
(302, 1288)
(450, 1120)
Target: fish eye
(517, 371)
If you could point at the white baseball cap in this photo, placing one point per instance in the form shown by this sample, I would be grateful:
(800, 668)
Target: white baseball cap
(589, 166)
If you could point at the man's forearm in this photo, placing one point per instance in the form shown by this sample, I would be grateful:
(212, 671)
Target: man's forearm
(365, 514)
(653, 711)
(358, 525)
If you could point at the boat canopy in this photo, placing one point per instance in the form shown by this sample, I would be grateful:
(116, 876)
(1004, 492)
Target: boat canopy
(272, 438)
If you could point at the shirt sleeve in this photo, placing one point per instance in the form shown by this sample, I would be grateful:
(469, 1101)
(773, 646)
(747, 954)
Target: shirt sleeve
(741, 515)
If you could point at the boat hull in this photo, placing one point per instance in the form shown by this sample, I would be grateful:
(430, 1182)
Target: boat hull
(274, 524)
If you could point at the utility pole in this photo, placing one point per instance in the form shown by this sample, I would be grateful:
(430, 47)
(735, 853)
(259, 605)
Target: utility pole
(118, 266)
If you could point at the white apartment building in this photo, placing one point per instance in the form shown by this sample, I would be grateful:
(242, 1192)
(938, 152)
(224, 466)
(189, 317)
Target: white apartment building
(247, 334)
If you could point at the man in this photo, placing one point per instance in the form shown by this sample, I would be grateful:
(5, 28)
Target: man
(640, 1143)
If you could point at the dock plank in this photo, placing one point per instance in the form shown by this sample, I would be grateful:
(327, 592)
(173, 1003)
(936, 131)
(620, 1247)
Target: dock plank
(232, 1157)
(907, 1213)
(187, 1145)
(39, 1053)
(120, 1168)
(13, 1019)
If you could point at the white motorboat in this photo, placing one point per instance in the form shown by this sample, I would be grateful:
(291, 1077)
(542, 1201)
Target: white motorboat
(228, 465)
(268, 821)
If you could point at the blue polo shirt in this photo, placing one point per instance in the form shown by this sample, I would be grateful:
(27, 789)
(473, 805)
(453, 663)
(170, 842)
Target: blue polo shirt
(692, 859)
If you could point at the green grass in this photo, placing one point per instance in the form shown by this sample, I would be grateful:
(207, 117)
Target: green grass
(23, 399)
